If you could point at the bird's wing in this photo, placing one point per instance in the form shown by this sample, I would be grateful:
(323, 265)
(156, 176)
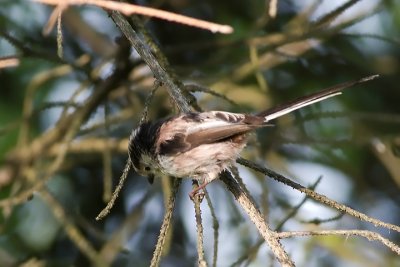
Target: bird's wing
(207, 128)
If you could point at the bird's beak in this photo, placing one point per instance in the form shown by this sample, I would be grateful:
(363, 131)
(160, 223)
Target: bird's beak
(150, 178)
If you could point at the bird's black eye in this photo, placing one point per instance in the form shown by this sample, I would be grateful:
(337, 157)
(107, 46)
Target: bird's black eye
(147, 168)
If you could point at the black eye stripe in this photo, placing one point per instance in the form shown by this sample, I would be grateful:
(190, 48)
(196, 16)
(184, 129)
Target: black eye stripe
(147, 168)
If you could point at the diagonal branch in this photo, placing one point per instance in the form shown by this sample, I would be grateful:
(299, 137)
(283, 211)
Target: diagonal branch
(318, 197)
(129, 9)
(364, 233)
(257, 218)
(173, 86)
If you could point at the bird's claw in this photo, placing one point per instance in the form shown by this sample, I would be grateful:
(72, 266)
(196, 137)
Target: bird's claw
(197, 193)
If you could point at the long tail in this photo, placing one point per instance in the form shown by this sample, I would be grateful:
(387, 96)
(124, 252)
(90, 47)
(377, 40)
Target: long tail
(276, 112)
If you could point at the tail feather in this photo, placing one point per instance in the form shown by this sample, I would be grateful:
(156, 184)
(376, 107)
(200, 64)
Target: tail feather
(301, 102)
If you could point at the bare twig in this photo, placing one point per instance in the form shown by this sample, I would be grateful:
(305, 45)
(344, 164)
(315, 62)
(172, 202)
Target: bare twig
(254, 249)
(256, 217)
(200, 231)
(173, 86)
(328, 18)
(296, 208)
(8, 62)
(364, 233)
(60, 49)
(155, 261)
(129, 9)
(106, 157)
(320, 198)
(53, 19)
(215, 227)
(125, 173)
(318, 221)
(114, 196)
(273, 8)
(199, 88)
(148, 101)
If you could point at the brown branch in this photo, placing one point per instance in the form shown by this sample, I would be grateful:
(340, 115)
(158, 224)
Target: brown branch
(118, 189)
(318, 197)
(253, 250)
(129, 9)
(326, 19)
(155, 261)
(173, 86)
(215, 228)
(273, 8)
(200, 230)
(8, 62)
(364, 233)
(257, 218)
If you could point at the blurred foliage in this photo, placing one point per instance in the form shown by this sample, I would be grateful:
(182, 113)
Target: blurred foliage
(308, 46)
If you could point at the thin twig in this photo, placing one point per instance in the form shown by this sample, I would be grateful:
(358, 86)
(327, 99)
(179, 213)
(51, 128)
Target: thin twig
(254, 249)
(60, 49)
(173, 86)
(273, 8)
(320, 198)
(128, 164)
(8, 62)
(155, 261)
(257, 218)
(318, 221)
(156, 85)
(200, 231)
(107, 158)
(53, 19)
(199, 88)
(215, 227)
(364, 233)
(114, 196)
(329, 17)
(129, 9)
(296, 208)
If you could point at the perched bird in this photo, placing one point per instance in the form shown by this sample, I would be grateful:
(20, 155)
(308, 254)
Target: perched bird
(200, 145)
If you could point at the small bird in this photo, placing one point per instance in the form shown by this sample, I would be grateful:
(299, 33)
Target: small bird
(200, 145)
